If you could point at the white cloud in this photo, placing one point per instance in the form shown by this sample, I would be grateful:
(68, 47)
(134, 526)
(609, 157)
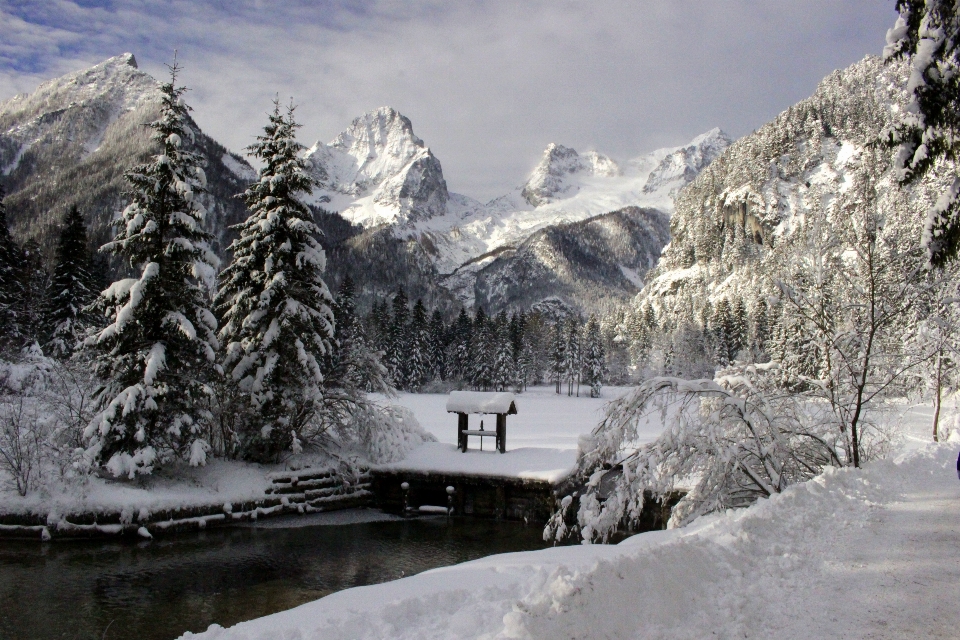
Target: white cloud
(486, 84)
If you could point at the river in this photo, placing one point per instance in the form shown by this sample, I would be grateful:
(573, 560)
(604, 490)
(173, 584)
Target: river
(158, 589)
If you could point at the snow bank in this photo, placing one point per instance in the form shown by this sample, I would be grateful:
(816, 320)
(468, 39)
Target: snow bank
(532, 463)
(869, 553)
(182, 487)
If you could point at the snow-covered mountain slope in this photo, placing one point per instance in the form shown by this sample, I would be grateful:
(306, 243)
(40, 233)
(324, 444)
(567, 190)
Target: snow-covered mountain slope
(565, 187)
(69, 142)
(580, 263)
(752, 194)
(378, 172)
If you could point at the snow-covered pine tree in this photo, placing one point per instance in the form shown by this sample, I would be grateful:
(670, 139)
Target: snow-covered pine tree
(34, 281)
(156, 353)
(574, 354)
(482, 351)
(10, 294)
(504, 367)
(398, 341)
(378, 323)
(356, 364)
(928, 34)
(71, 289)
(278, 324)
(722, 327)
(558, 355)
(438, 345)
(419, 350)
(594, 358)
(458, 351)
(761, 330)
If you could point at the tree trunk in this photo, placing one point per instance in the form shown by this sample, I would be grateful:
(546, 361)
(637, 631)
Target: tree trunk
(938, 381)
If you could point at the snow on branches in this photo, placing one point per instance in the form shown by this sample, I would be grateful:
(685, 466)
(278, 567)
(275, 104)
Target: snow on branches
(927, 32)
(730, 440)
(278, 323)
(157, 351)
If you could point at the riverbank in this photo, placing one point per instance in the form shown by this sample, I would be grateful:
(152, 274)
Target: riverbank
(542, 441)
(852, 553)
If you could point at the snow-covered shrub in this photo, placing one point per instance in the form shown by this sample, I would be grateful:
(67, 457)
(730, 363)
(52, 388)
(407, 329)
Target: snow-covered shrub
(379, 433)
(22, 439)
(45, 404)
(732, 439)
(389, 433)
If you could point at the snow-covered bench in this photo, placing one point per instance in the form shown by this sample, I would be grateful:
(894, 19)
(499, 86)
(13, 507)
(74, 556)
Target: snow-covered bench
(464, 403)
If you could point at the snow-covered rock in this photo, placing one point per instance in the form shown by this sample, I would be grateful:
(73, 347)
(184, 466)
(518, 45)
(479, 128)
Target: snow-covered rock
(379, 172)
(70, 141)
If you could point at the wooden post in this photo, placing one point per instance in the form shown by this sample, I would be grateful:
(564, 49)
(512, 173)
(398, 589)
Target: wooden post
(462, 422)
(502, 432)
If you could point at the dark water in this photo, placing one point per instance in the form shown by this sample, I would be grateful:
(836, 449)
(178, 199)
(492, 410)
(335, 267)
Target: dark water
(157, 590)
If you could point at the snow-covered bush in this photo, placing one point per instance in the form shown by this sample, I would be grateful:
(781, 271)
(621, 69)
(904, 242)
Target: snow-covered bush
(44, 406)
(377, 432)
(732, 440)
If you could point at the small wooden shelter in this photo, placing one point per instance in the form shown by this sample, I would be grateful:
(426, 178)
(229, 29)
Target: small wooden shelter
(463, 403)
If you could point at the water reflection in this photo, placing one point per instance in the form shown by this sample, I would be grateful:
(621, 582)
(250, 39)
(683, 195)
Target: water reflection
(157, 590)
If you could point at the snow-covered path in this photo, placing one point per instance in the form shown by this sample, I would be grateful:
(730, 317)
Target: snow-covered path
(872, 553)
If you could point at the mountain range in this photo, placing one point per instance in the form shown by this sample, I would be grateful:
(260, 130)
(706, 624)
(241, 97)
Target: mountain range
(582, 227)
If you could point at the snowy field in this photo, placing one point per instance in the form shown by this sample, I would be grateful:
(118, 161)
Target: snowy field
(541, 443)
(872, 553)
(541, 438)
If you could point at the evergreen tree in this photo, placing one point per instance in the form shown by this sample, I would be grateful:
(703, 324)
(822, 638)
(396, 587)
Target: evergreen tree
(419, 350)
(278, 321)
(438, 344)
(398, 341)
(761, 330)
(378, 324)
(724, 332)
(594, 358)
(740, 327)
(482, 351)
(71, 289)
(156, 354)
(10, 293)
(558, 354)
(574, 354)
(356, 365)
(928, 34)
(458, 352)
(34, 280)
(504, 367)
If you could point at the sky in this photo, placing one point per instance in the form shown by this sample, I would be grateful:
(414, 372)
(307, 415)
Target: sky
(487, 83)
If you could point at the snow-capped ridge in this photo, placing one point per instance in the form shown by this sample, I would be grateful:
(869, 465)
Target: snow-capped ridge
(550, 179)
(378, 171)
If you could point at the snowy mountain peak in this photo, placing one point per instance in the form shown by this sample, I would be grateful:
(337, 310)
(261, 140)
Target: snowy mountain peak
(378, 171)
(551, 179)
(683, 164)
(116, 83)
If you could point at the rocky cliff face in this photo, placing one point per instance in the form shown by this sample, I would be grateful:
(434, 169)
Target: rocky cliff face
(69, 143)
(378, 172)
(751, 196)
(582, 264)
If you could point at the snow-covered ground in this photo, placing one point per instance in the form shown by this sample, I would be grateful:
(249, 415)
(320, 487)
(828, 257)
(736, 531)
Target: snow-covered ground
(871, 553)
(219, 482)
(541, 438)
(544, 419)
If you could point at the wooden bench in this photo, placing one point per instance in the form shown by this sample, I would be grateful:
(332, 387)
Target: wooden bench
(482, 433)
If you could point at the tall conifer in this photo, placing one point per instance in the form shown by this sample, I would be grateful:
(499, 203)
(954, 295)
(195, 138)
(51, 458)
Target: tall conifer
(278, 322)
(159, 346)
(71, 288)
